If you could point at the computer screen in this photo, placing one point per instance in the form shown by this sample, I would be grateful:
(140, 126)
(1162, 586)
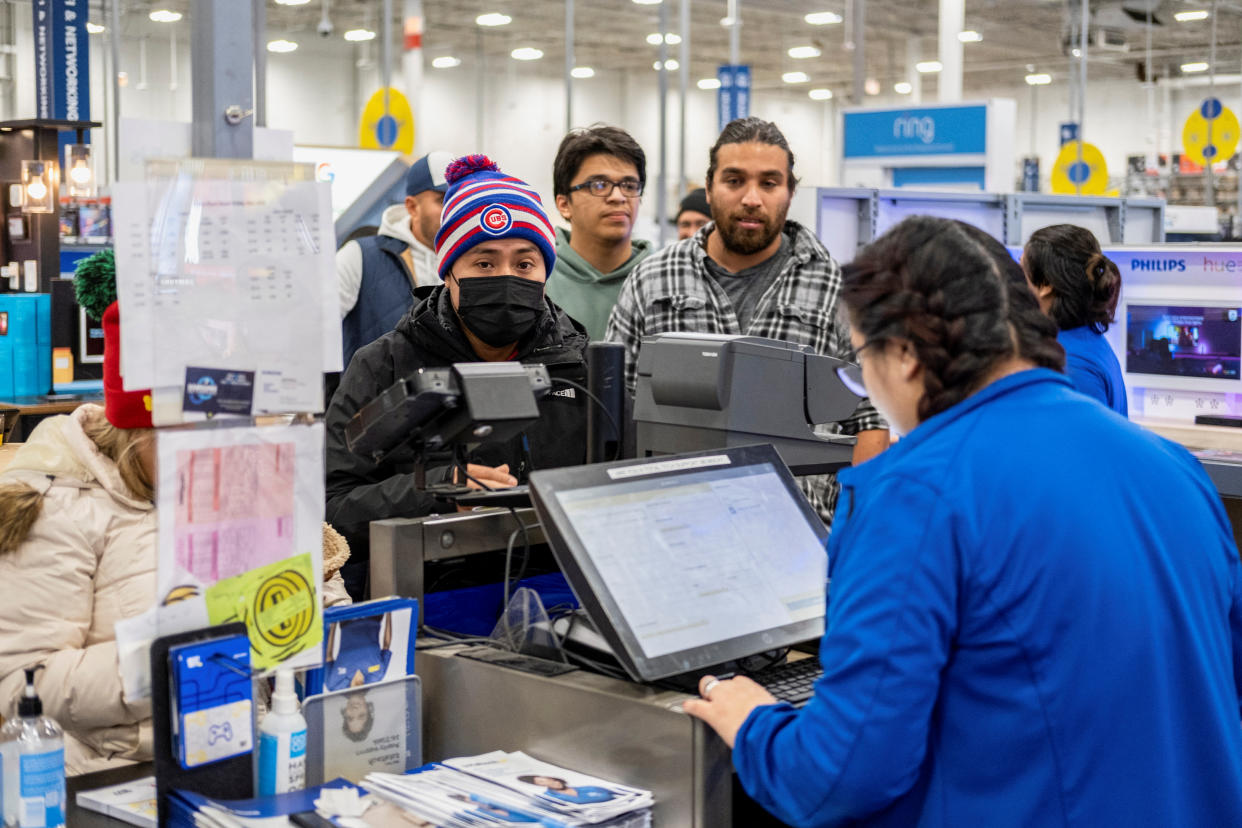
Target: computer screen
(1199, 342)
(692, 565)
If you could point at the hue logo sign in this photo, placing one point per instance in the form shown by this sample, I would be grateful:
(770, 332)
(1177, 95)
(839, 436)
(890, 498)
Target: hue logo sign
(910, 126)
(495, 221)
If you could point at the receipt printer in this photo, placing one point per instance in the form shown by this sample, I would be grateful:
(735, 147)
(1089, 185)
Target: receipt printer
(25, 344)
(703, 391)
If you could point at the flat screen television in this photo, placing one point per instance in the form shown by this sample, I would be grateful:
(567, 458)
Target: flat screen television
(1194, 342)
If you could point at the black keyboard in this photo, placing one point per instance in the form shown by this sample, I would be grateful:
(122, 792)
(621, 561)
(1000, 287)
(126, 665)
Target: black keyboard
(793, 681)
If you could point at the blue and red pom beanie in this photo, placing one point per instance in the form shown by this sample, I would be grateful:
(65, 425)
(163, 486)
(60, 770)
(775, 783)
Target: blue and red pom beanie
(483, 203)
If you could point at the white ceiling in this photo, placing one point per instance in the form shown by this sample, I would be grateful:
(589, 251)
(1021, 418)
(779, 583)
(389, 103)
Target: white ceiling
(610, 35)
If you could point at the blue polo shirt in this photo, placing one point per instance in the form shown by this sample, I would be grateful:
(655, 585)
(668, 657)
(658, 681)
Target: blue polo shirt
(1034, 619)
(1093, 368)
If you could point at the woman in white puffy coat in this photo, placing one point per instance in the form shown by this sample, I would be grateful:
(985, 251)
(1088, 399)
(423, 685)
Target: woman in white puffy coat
(78, 554)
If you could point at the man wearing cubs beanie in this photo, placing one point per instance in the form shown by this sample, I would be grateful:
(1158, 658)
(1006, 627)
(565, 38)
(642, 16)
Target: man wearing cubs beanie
(494, 250)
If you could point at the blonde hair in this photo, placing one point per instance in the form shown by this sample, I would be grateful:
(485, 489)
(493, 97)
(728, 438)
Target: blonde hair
(124, 447)
(21, 505)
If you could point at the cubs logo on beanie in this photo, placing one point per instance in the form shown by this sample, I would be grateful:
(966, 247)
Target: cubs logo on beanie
(483, 203)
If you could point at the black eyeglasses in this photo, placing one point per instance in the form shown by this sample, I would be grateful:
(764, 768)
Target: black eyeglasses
(603, 187)
(850, 374)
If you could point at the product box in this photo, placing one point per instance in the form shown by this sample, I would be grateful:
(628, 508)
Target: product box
(25, 344)
(68, 219)
(95, 220)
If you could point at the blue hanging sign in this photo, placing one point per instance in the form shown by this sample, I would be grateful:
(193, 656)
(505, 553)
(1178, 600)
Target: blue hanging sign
(930, 131)
(1069, 132)
(733, 96)
(62, 59)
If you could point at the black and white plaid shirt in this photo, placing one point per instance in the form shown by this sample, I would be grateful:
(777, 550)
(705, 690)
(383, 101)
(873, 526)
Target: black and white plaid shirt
(672, 291)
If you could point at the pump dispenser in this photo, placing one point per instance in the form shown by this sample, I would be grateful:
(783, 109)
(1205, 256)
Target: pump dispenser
(282, 741)
(32, 765)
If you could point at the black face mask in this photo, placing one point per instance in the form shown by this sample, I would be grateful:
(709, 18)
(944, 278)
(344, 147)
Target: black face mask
(499, 309)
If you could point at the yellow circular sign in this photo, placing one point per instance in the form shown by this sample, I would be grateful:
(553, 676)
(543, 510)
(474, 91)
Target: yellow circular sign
(1211, 133)
(283, 610)
(392, 129)
(1086, 177)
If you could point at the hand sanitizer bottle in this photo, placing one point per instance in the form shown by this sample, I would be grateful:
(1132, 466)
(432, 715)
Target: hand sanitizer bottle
(32, 765)
(282, 741)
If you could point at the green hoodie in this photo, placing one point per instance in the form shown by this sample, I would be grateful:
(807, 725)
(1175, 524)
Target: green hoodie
(582, 291)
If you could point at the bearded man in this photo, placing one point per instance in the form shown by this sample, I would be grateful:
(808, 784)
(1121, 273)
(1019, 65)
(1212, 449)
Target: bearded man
(748, 271)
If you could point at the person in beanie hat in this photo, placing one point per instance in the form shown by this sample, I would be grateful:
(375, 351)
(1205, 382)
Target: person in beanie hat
(78, 552)
(494, 250)
(693, 214)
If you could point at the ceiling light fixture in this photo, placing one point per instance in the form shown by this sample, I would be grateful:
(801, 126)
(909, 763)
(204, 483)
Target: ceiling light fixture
(928, 67)
(823, 18)
(709, 83)
(795, 77)
(359, 35)
(1191, 68)
(804, 52)
(820, 94)
(493, 19)
(446, 62)
(670, 65)
(526, 53)
(292, 2)
(164, 16)
(1038, 79)
(647, 2)
(95, 28)
(903, 87)
(970, 36)
(1191, 16)
(281, 46)
(583, 72)
(671, 39)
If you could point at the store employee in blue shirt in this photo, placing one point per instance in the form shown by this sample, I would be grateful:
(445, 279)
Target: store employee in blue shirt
(1077, 285)
(1035, 612)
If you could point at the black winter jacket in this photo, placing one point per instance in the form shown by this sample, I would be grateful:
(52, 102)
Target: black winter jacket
(429, 336)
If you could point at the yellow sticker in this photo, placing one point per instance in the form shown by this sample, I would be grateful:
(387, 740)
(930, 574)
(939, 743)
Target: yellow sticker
(1210, 133)
(1086, 177)
(392, 129)
(279, 604)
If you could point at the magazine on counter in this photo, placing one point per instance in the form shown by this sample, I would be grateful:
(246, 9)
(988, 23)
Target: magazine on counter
(367, 643)
(132, 802)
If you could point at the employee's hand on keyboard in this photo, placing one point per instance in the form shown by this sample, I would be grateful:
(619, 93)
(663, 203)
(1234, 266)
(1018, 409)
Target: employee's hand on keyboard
(494, 477)
(726, 704)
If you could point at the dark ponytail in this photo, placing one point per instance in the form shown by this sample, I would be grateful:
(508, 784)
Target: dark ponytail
(957, 296)
(1085, 283)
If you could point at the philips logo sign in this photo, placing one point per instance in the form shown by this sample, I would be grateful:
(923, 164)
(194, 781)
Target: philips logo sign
(910, 127)
(1158, 265)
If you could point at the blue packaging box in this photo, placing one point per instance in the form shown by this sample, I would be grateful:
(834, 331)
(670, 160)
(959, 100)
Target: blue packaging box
(25, 344)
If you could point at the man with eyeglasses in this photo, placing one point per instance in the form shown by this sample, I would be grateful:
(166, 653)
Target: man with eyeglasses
(749, 271)
(598, 180)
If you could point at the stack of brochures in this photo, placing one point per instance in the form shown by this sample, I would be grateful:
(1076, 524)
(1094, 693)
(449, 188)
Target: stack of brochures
(502, 788)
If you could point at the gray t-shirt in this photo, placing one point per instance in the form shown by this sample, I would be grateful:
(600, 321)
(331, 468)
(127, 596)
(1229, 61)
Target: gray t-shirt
(746, 287)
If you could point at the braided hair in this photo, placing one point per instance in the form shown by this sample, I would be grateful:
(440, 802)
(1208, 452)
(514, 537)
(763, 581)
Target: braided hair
(1085, 283)
(954, 293)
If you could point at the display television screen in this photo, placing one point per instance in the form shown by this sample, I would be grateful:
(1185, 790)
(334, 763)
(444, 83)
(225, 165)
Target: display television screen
(1184, 341)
